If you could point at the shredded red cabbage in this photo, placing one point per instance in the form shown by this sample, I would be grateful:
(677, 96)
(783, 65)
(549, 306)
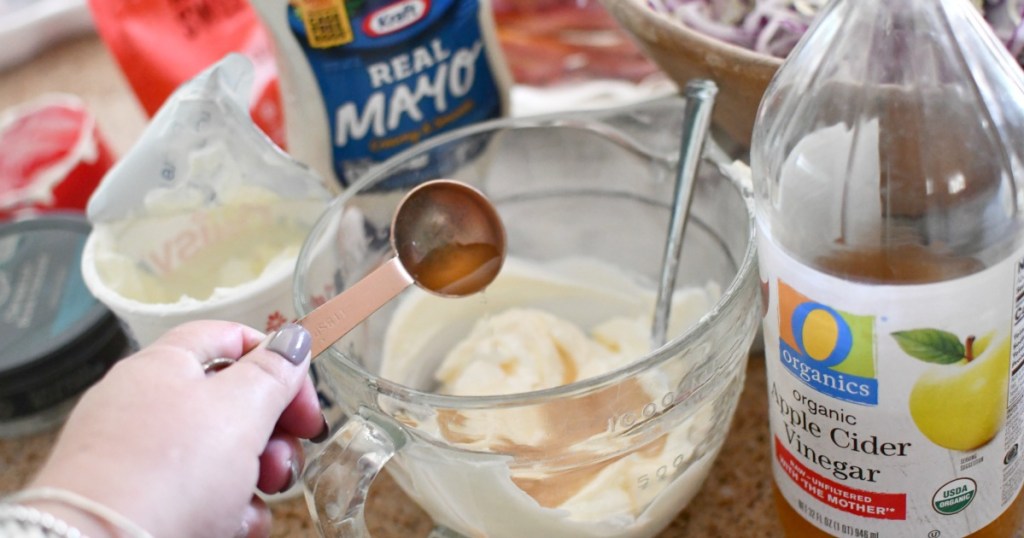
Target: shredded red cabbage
(774, 26)
(1007, 19)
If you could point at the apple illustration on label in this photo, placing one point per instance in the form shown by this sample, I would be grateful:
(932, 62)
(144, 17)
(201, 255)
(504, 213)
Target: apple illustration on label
(960, 402)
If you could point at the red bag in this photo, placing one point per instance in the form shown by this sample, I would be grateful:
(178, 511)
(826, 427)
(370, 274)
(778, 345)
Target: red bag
(159, 44)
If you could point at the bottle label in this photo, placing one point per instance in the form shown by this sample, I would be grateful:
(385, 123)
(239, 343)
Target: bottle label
(895, 410)
(395, 73)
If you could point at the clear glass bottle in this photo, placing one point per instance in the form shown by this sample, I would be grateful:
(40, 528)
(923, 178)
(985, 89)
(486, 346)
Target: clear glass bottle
(888, 160)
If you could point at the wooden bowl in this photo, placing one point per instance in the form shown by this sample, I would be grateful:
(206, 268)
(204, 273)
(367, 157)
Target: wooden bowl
(684, 53)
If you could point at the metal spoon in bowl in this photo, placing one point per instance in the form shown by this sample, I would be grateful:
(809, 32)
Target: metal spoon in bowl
(700, 100)
(448, 240)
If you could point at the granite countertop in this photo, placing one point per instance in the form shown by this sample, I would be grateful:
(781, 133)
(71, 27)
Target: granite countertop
(735, 501)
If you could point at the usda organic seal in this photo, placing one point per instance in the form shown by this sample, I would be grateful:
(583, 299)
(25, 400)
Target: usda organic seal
(954, 496)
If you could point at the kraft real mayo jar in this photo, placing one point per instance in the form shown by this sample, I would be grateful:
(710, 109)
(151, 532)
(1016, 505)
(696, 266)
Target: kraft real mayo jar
(363, 81)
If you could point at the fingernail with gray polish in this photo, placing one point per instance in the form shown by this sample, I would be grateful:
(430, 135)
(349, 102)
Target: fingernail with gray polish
(291, 342)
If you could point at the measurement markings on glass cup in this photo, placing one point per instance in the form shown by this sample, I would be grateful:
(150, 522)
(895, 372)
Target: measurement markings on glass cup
(625, 421)
(664, 473)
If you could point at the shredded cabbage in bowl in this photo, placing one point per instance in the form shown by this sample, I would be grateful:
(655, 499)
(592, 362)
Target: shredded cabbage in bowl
(774, 26)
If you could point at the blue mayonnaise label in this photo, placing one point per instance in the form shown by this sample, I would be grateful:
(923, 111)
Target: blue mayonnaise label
(392, 73)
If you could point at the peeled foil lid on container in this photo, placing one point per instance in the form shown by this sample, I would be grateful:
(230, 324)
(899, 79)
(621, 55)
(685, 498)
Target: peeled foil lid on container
(204, 212)
(27, 27)
(201, 149)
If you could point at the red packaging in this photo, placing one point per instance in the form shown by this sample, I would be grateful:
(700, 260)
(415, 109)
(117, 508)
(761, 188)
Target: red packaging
(53, 156)
(160, 44)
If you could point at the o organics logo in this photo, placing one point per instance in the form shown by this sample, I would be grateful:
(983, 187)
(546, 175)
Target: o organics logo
(829, 350)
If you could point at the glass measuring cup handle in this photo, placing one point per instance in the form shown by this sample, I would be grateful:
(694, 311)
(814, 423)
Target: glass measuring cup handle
(337, 480)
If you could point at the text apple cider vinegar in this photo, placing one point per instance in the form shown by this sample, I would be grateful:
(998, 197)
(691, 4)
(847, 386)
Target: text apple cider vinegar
(888, 169)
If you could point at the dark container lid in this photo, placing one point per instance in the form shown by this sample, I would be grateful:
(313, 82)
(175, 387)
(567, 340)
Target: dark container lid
(56, 339)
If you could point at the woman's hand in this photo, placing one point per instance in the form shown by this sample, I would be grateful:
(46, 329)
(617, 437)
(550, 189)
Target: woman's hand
(179, 451)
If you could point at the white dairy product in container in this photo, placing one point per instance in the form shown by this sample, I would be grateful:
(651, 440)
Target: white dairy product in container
(220, 250)
(233, 261)
(204, 218)
(537, 327)
(179, 248)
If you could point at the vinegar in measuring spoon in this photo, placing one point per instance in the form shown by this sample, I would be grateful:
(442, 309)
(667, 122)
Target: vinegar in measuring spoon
(448, 240)
(457, 269)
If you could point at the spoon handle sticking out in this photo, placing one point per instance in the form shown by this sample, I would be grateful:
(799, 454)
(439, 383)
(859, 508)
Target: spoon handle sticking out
(700, 99)
(330, 321)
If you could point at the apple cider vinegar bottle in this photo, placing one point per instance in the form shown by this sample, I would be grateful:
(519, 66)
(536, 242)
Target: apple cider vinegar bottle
(888, 160)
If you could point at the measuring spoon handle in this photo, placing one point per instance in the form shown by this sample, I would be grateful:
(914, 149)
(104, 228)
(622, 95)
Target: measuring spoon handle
(339, 315)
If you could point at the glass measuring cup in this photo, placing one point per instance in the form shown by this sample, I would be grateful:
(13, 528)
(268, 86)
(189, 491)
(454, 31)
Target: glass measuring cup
(619, 454)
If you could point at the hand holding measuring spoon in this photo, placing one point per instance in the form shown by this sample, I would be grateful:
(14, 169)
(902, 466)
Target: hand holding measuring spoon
(448, 240)
(242, 426)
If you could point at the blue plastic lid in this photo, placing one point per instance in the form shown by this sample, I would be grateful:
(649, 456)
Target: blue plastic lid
(56, 339)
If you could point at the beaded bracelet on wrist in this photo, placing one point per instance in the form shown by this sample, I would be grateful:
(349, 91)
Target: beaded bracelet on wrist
(119, 526)
(17, 521)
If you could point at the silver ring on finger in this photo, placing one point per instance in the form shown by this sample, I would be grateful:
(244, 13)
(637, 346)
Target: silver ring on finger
(216, 364)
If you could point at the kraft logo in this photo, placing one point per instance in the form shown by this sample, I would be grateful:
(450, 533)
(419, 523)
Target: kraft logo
(829, 350)
(395, 17)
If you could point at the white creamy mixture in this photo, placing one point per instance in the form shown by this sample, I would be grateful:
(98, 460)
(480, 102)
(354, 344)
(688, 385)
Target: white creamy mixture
(525, 333)
(525, 349)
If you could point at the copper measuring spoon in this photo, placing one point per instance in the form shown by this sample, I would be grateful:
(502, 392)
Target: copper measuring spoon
(448, 240)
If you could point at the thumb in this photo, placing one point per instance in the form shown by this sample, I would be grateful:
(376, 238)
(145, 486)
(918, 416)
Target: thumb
(261, 384)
